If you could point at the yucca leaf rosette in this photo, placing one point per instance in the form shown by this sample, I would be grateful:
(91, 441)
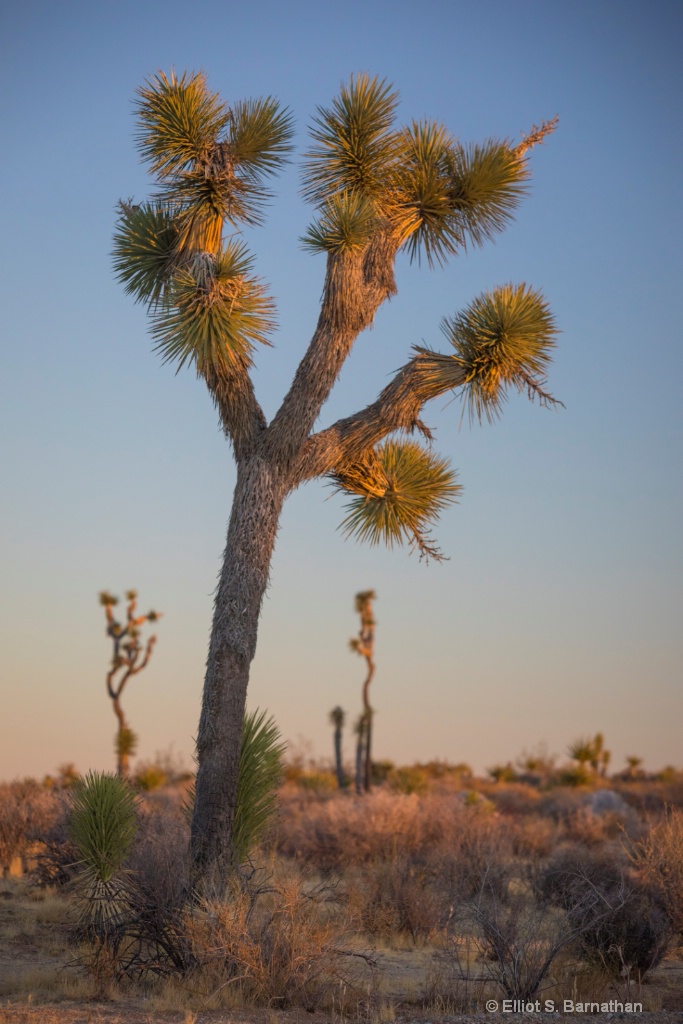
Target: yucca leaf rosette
(504, 337)
(145, 250)
(103, 823)
(399, 491)
(261, 768)
(217, 310)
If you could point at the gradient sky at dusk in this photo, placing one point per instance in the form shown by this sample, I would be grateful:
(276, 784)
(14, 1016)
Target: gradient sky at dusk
(559, 611)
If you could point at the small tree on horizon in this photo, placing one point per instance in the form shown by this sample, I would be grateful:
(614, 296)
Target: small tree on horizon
(377, 189)
(364, 644)
(337, 719)
(129, 656)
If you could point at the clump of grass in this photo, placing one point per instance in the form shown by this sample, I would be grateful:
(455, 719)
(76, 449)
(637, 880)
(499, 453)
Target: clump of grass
(276, 944)
(658, 859)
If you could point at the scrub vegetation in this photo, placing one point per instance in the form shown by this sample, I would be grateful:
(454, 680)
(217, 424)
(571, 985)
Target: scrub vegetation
(427, 896)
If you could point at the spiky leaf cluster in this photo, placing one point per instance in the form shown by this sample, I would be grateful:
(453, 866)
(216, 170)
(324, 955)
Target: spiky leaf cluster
(345, 225)
(261, 767)
(145, 246)
(421, 208)
(179, 121)
(486, 185)
(103, 823)
(217, 311)
(400, 490)
(126, 743)
(418, 184)
(354, 142)
(211, 161)
(504, 337)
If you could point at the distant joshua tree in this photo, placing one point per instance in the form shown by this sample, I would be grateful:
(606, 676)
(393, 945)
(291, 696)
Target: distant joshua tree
(364, 644)
(337, 718)
(129, 656)
(591, 752)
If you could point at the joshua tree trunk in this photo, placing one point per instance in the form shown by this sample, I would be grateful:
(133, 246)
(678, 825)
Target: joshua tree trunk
(122, 746)
(257, 505)
(360, 756)
(337, 717)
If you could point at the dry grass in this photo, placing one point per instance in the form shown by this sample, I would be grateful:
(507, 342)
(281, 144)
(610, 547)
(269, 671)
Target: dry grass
(391, 876)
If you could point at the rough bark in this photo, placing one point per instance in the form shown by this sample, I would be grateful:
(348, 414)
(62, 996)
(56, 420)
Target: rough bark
(341, 779)
(257, 504)
(122, 756)
(268, 468)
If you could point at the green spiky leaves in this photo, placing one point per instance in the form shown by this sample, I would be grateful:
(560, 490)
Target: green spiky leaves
(261, 768)
(210, 160)
(145, 248)
(179, 121)
(505, 337)
(259, 137)
(421, 208)
(400, 490)
(447, 195)
(103, 823)
(217, 311)
(346, 224)
(355, 143)
(419, 185)
(486, 185)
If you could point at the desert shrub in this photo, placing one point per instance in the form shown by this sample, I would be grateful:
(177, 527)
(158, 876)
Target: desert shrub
(159, 859)
(559, 803)
(318, 782)
(413, 779)
(572, 871)
(629, 935)
(503, 773)
(532, 838)
(454, 983)
(339, 832)
(55, 857)
(278, 945)
(518, 941)
(398, 896)
(621, 925)
(658, 859)
(381, 770)
(27, 812)
(515, 798)
(149, 776)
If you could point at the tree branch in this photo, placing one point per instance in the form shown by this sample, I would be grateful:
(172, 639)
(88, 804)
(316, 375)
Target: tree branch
(356, 285)
(397, 408)
(241, 416)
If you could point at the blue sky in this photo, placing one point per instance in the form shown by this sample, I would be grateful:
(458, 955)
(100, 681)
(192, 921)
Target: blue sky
(558, 613)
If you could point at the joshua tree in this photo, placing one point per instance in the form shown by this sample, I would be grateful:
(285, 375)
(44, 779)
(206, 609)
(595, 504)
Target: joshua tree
(633, 766)
(129, 656)
(591, 752)
(378, 189)
(337, 718)
(364, 644)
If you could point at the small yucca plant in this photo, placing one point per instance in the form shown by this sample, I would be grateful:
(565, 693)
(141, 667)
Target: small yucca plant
(261, 768)
(103, 827)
